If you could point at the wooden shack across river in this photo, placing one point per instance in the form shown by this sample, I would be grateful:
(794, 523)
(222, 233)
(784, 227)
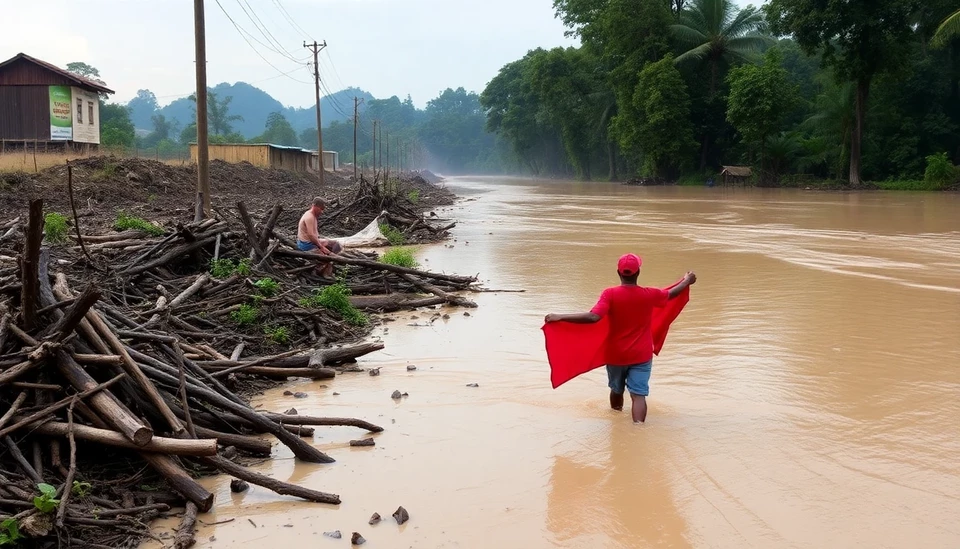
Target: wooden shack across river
(267, 155)
(732, 175)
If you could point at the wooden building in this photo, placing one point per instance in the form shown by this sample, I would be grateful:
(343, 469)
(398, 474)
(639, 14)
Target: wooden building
(42, 105)
(732, 175)
(266, 155)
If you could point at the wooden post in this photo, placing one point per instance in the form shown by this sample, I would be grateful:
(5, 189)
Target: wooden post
(203, 151)
(29, 272)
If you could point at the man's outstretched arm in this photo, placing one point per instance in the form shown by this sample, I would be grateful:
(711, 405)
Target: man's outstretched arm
(688, 279)
(576, 318)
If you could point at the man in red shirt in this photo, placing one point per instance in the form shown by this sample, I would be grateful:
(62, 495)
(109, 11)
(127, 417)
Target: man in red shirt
(630, 341)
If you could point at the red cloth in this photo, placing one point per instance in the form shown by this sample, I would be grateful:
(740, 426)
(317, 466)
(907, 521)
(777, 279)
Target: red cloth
(630, 309)
(574, 349)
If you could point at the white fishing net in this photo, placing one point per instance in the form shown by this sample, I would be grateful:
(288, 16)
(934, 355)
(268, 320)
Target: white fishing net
(370, 236)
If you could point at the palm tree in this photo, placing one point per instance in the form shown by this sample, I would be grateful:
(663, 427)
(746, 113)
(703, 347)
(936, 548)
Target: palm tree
(947, 30)
(715, 32)
(833, 120)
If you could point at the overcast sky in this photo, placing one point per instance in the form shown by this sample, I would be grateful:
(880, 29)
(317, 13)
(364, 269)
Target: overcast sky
(387, 47)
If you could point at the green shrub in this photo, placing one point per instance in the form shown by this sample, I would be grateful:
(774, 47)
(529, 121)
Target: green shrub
(394, 237)
(940, 171)
(224, 268)
(401, 257)
(907, 185)
(47, 501)
(80, 489)
(55, 228)
(336, 297)
(10, 532)
(108, 170)
(414, 196)
(245, 315)
(278, 334)
(126, 222)
(267, 287)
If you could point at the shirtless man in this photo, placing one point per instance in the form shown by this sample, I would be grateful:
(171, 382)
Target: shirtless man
(308, 237)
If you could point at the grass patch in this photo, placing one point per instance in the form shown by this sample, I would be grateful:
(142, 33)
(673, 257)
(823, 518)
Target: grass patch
(267, 287)
(277, 334)
(414, 196)
(336, 297)
(225, 268)
(401, 257)
(245, 315)
(394, 237)
(697, 179)
(55, 228)
(131, 222)
(908, 185)
(108, 170)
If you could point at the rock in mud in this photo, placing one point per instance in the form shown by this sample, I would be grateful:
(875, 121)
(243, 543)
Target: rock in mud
(401, 515)
(364, 442)
(291, 412)
(473, 384)
(466, 314)
(287, 393)
(411, 368)
(237, 486)
(357, 539)
(37, 525)
(374, 372)
(299, 394)
(396, 395)
(229, 452)
(446, 317)
(375, 519)
(336, 394)
(335, 534)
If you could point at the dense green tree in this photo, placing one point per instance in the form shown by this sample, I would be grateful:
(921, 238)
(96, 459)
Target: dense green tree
(662, 134)
(278, 131)
(116, 129)
(84, 70)
(948, 29)
(859, 39)
(143, 108)
(761, 99)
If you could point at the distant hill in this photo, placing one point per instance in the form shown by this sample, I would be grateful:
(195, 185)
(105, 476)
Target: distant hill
(250, 102)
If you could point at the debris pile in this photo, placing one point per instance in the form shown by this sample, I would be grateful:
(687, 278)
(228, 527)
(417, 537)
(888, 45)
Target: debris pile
(123, 353)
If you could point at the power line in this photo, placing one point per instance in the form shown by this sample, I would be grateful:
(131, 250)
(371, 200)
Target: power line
(264, 31)
(265, 60)
(290, 20)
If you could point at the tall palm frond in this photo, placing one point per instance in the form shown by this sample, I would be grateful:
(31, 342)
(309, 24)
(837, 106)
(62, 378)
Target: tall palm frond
(950, 28)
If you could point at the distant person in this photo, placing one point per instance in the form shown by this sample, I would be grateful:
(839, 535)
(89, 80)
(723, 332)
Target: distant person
(308, 238)
(629, 345)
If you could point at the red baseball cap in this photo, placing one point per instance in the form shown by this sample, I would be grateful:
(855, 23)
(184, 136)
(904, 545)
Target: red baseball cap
(629, 265)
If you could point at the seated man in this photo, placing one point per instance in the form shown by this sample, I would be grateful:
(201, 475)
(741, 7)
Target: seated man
(308, 237)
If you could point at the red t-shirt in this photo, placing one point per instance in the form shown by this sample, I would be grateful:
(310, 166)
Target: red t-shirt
(630, 310)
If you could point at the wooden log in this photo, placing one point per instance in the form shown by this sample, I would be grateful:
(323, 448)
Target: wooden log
(277, 486)
(72, 317)
(112, 411)
(252, 363)
(160, 445)
(99, 360)
(324, 421)
(338, 355)
(184, 539)
(62, 292)
(300, 448)
(376, 266)
(14, 406)
(179, 480)
(197, 285)
(18, 456)
(72, 472)
(251, 233)
(30, 267)
(254, 445)
(430, 288)
(133, 510)
(283, 373)
(52, 409)
(169, 256)
(393, 302)
(133, 370)
(271, 223)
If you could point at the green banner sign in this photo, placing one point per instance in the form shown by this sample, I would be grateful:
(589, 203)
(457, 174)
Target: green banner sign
(61, 113)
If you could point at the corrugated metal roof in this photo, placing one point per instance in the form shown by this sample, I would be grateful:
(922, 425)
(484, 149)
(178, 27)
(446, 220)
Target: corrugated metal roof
(76, 78)
(737, 171)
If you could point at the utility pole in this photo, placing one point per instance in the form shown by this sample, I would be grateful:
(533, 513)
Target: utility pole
(203, 151)
(380, 139)
(315, 48)
(374, 137)
(388, 157)
(399, 165)
(356, 118)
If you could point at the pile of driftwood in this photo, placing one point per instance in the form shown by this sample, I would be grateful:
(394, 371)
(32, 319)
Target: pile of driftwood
(121, 356)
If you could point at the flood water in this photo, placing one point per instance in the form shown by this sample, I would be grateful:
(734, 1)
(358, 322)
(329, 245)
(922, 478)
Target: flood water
(808, 396)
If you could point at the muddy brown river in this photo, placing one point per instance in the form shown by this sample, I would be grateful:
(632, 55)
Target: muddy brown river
(808, 396)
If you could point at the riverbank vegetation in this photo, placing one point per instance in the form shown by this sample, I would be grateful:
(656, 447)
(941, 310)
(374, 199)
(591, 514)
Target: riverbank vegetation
(806, 95)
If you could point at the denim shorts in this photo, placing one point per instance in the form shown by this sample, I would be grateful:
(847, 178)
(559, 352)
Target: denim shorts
(635, 379)
(306, 246)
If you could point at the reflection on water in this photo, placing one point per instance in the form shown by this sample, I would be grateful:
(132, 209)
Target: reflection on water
(807, 397)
